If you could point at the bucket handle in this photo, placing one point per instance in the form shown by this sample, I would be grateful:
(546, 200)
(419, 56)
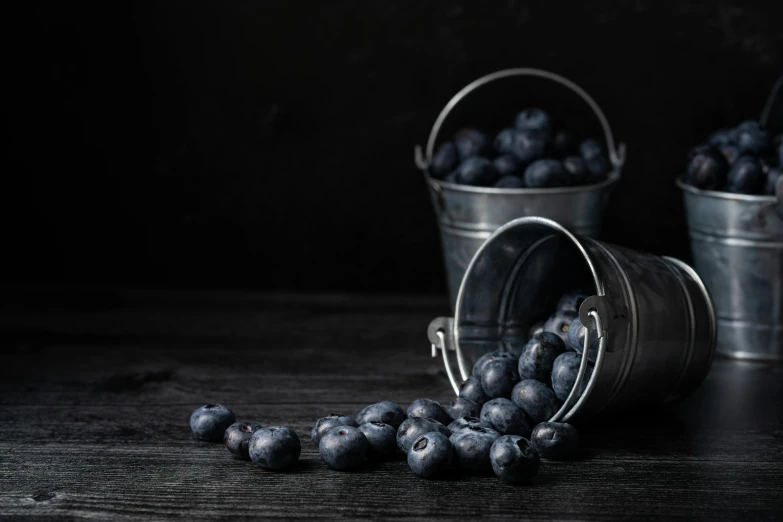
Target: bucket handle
(616, 154)
(774, 96)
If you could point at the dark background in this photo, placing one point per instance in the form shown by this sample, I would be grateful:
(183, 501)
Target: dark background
(269, 145)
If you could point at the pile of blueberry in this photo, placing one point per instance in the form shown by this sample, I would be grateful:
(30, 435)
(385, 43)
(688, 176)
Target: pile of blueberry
(742, 160)
(498, 423)
(529, 154)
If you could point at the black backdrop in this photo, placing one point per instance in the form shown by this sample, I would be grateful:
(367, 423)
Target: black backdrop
(270, 144)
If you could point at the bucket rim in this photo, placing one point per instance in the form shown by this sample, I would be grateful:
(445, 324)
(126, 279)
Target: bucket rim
(718, 194)
(439, 185)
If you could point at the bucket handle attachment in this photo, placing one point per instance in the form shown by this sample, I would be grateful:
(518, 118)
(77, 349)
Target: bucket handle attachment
(616, 153)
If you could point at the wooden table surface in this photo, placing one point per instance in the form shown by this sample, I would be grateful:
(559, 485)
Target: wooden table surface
(96, 388)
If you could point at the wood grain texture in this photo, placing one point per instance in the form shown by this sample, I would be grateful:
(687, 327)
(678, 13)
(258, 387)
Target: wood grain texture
(96, 389)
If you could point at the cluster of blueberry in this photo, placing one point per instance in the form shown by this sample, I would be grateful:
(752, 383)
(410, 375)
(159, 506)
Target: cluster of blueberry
(743, 160)
(271, 447)
(529, 154)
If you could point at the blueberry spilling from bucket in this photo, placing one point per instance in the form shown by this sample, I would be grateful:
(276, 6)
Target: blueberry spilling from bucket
(530, 153)
(742, 160)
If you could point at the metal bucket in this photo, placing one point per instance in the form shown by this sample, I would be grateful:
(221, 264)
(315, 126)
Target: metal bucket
(468, 215)
(653, 315)
(737, 247)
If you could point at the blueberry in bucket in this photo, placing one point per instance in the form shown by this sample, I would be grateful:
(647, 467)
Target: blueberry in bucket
(564, 373)
(546, 173)
(471, 390)
(506, 417)
(577, 169)
(751, 138)
(504, 141)
(559, 323)
(535, 119)
(478, 366)
(571, 301)
(460, 407)
(210, 421)
(746, 176)
(595, 160)
(707, 169)
(509, 182)
(536, 399)
(563, 144)
(478, 172)
(539, 355)
(445, 160)
(507, 165)
(529, 145)
(471, 142)
(576, 339)
(499, 377)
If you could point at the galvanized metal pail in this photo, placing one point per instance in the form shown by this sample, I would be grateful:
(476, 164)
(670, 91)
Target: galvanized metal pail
(653, 315)
(468, 215)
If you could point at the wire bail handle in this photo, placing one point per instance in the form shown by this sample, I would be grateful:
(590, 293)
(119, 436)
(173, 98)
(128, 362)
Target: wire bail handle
(616, 154)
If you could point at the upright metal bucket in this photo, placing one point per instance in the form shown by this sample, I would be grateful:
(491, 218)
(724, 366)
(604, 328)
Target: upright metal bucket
(468, 215)
(653, 315)
(737, 247)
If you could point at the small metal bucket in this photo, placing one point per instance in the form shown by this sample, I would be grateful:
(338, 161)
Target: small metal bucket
(468, 215)
(653, 315)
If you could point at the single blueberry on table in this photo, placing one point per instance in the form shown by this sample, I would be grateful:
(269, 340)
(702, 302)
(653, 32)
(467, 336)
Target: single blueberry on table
(381, 438)
(577, 169)
(538, 356)
(511, 182)
(472, 445)
(506, 417)
(343, 447)
(576, 339)
(529, 145)
(386, 412)
(730, 152)
(722, 137)
(478, 366)
(429, 409)
(546, 173)
(595, 160)
(746, 176)
(444, 161)
(564, 373)
(751, 138)
(707, 170)
(536, 399)
(533, 119)
(460, 407)
(514, 459)
(772, 180)
(209, 422)
(274, 447)
(499, 377)
(414, 427)
(466, 422)
(563, 144)
(571, 301)
(555, 439)
(471, 142)
(471, 389)
(560, 322)
(430, 454)
(507, 165)
(477, 172)
(237, 437)
(324, 424)
(504, 141)
(536, 329)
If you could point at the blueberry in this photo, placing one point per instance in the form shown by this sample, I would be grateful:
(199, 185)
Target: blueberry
(471, 389)
(772, 180)
(478, 366)
(471, 142)
(564, 373)
(237, 436)
(555, 439)
(595, 160)
(538, 356)
(478, 172)
(577, 169)
(534, 119)
(746, 176)
(700, 149)
(536, 399)
(386, 412)
(343, 447)
(460, 407)
(324, 424)
(507, 165)
(563, 144)
(430, 454)
(536, 328)
(464, 422)
(504, 141)
(513, 182)
(428, 408)
(414, 427)
(274, 447)
(499, 377)
(559, 323)
(546, 173)
(444, 161)
(506, 417)
(381, 438)
(514, 459)
(730, 152)
(210, 421)
(472, 445)
(451, 177)
(576, 339)
(529, 145)
(751, 138)
(722, 137)
(571, 301)
(707, 169)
